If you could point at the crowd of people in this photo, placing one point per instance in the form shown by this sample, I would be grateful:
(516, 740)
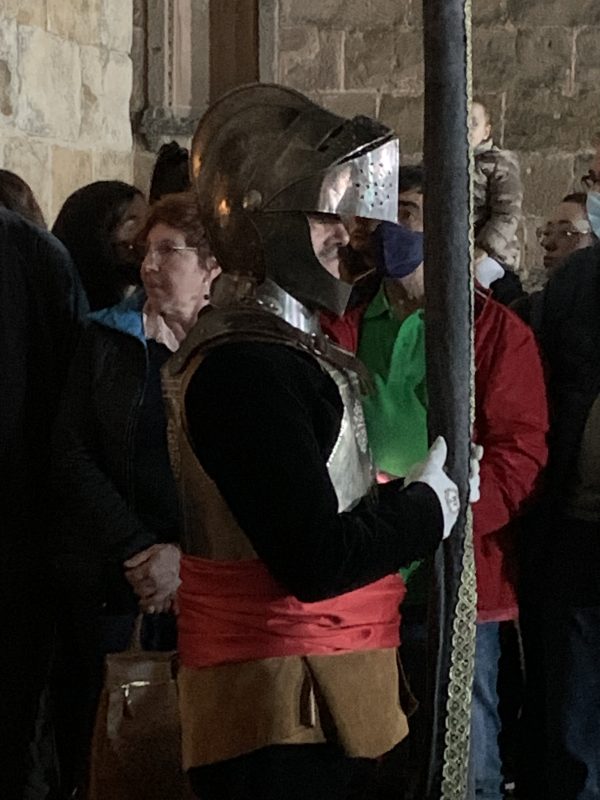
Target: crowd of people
(254, 478)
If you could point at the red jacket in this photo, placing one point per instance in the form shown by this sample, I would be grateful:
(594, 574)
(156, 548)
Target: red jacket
(511, 422)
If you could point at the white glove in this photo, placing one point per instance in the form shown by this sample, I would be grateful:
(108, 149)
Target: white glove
(488, 270)
(431, 472)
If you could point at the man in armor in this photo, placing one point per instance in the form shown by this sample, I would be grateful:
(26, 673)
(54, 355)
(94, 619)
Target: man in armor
(288, 605)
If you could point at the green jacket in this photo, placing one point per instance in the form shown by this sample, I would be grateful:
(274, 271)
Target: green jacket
(396, 412)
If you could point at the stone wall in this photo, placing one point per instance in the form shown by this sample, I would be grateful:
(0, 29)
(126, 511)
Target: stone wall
(65, 89)
(536, 64)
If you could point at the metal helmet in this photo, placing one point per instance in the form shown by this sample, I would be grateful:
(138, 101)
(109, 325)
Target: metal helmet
(263, 157)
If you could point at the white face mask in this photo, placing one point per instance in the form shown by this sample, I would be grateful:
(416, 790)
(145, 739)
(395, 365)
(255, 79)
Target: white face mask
(593, 211)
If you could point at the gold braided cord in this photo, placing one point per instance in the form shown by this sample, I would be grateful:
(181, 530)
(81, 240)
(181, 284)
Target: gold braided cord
(462, 656)
(458, 709)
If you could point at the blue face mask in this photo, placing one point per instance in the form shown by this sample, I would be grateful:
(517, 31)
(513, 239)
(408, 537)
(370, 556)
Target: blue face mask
(593, 211)
(399, 251)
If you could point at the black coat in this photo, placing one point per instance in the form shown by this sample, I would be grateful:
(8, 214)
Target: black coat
(102, 521)
(41, 304)
(570, 339)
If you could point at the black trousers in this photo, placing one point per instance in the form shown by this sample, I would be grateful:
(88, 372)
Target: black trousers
(288, 772)
(27, 647)
(562, 652)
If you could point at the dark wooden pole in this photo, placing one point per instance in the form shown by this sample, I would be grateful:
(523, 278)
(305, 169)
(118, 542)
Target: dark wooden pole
(448, 315)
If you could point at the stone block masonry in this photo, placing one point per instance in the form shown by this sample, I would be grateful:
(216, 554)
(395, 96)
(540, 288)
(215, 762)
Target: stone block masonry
(536, 66)
(65, 91)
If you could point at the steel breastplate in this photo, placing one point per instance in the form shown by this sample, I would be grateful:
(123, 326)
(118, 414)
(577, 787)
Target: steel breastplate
(349, 464)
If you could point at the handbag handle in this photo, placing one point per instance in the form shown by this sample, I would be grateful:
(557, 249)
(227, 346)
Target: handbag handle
(135, 644)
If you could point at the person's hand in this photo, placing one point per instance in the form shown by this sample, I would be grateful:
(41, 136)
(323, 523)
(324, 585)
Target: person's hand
(159, 604)
(154, 575)
(474, 479)
(385, 477)
(488, 270)
(432, 472)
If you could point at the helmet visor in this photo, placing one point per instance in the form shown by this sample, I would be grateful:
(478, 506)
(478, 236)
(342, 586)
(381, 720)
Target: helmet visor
(363, 186)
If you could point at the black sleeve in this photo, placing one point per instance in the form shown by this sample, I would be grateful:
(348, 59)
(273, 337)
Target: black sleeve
(95, 530)
(63, 296)
(507, 289)
(570, 298)
(59, 307)
(570, 340)
(56, 307)
(253, 421)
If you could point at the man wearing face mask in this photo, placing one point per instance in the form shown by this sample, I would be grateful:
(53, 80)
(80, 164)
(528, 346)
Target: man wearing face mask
(288, 619)
(563, 585)
(510, 424)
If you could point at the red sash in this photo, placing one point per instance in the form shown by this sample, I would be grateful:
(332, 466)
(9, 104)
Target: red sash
(233, 611)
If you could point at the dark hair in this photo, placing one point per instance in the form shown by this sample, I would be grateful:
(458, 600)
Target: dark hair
(16, 195)
(412, 178)
(179, 211)
(85, 225)
(579, 198)
(171, 172)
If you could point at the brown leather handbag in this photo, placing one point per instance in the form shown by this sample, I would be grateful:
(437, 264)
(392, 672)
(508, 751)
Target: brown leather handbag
(136, 748)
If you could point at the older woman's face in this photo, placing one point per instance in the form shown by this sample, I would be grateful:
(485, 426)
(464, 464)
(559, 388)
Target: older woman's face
(174, 274)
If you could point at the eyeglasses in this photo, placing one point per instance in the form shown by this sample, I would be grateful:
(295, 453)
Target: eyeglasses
(163, 251)
(590, 179)
(562, 233)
